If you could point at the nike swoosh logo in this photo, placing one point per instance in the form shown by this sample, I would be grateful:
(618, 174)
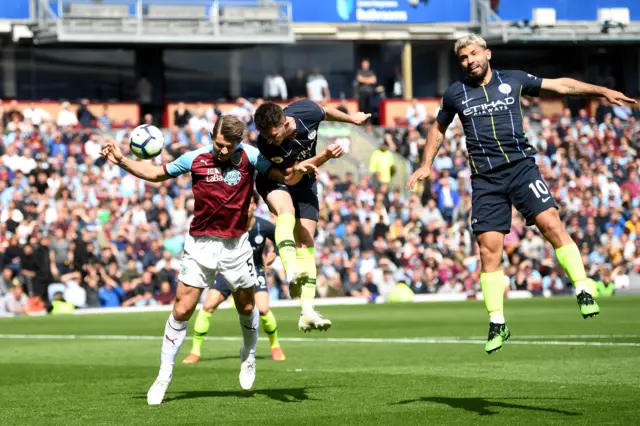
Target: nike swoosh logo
(467, 101)
(250, 328)
(544, 200)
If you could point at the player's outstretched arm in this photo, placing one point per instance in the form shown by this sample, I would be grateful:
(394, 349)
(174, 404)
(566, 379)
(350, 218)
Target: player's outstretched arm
(332, 151)
(333, 114)
(292, 175)
(569, 86)
(431, 148)
(139, 169)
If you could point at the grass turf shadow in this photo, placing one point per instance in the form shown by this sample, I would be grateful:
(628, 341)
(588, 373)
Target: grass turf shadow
(280, 395)
(483, 406)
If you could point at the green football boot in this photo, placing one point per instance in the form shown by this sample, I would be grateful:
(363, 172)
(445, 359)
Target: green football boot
(498, 334)
(588, 306)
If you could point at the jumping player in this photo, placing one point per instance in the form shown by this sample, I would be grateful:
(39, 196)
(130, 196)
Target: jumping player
(259, 231)
(286, 137)
(504, 172)
(218, 242)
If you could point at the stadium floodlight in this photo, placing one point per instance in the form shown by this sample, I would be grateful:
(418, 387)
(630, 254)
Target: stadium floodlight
(543, 17)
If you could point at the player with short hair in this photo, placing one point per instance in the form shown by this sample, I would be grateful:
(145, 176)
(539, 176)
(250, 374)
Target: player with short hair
(504, 171)
(260, 230)
(222, 184)
(287, 136)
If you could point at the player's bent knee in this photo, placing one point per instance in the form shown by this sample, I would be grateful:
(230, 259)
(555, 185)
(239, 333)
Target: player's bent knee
(182, 310)
(245, 309)
(263, 311)
(209, 308)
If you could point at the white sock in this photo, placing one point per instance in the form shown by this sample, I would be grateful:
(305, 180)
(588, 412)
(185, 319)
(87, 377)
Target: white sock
(496, 318)
(249, 327)
(174, 334)
(581, 286)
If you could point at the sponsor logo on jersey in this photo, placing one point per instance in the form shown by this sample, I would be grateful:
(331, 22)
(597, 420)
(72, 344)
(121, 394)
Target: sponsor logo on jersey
(490, 107)
(312, 134)
(504, 88)
(232, 177)
(259, 239)
(236, 158)
(214, 175)
(277, 160)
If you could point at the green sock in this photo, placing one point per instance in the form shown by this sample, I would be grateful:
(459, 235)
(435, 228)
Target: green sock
(200, 329)
(570, 259)
(270, 326)
(286, 243)
(306, 261)
(493, 291)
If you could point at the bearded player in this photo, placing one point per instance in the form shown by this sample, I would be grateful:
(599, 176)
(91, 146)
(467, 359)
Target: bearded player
(286, 137)
(504, 171)
(260, 230)
(218, 242)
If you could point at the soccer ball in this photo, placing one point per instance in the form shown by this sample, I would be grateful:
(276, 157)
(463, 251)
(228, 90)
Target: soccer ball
(146, 141)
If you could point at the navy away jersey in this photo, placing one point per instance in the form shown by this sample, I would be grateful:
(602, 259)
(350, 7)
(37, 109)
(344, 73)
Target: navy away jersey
(492, 118)
(302, 146)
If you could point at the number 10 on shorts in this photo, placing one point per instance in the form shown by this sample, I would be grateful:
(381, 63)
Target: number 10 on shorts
(540, 189)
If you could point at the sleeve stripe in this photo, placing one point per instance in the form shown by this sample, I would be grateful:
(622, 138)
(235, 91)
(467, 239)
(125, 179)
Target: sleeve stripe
(164, 167)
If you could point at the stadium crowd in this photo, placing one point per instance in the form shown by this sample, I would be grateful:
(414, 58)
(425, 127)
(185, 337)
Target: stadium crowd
(75, 229)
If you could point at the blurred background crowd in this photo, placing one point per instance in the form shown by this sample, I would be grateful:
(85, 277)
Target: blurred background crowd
(77, 230)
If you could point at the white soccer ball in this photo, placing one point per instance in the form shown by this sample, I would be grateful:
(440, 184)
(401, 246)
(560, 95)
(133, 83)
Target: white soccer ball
(146, 141)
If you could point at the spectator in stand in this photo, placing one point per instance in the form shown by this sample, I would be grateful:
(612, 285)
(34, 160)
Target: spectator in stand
(274, 87)
(16, 302)
(416, 113)
(243, 110)
(181, 115)
(104, 122)
(317, 87)
(166, 296)
(85, 116)
(366, 80)
(35, 114)
(66, 118)
(396, 84)
(381, 164)
(298, 86)
(146, 300)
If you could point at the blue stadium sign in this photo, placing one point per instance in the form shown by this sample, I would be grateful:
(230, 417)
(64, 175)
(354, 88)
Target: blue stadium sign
(566, 10)
(380, 11)
(14, 9)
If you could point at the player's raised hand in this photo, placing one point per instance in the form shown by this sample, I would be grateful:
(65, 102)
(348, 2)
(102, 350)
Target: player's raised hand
(360, 118)
(112, 152)
(298, 171)
(618, 98)
(334, 150)
(304, 168)
(418, 176)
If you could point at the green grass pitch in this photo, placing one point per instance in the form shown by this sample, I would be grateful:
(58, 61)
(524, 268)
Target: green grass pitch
(405, 364)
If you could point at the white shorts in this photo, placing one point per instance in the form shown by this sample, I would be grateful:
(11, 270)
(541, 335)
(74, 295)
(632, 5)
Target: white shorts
(205, 257)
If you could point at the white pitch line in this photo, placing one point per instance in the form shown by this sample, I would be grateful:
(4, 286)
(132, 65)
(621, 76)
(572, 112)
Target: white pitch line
(432, 340)
(569, 336)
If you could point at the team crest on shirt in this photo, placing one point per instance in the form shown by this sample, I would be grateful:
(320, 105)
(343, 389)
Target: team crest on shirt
(504, 88)
(236, 158)
(232, 177)
(277, 160)
(184, 270)
(312, 134)
(259, 239)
